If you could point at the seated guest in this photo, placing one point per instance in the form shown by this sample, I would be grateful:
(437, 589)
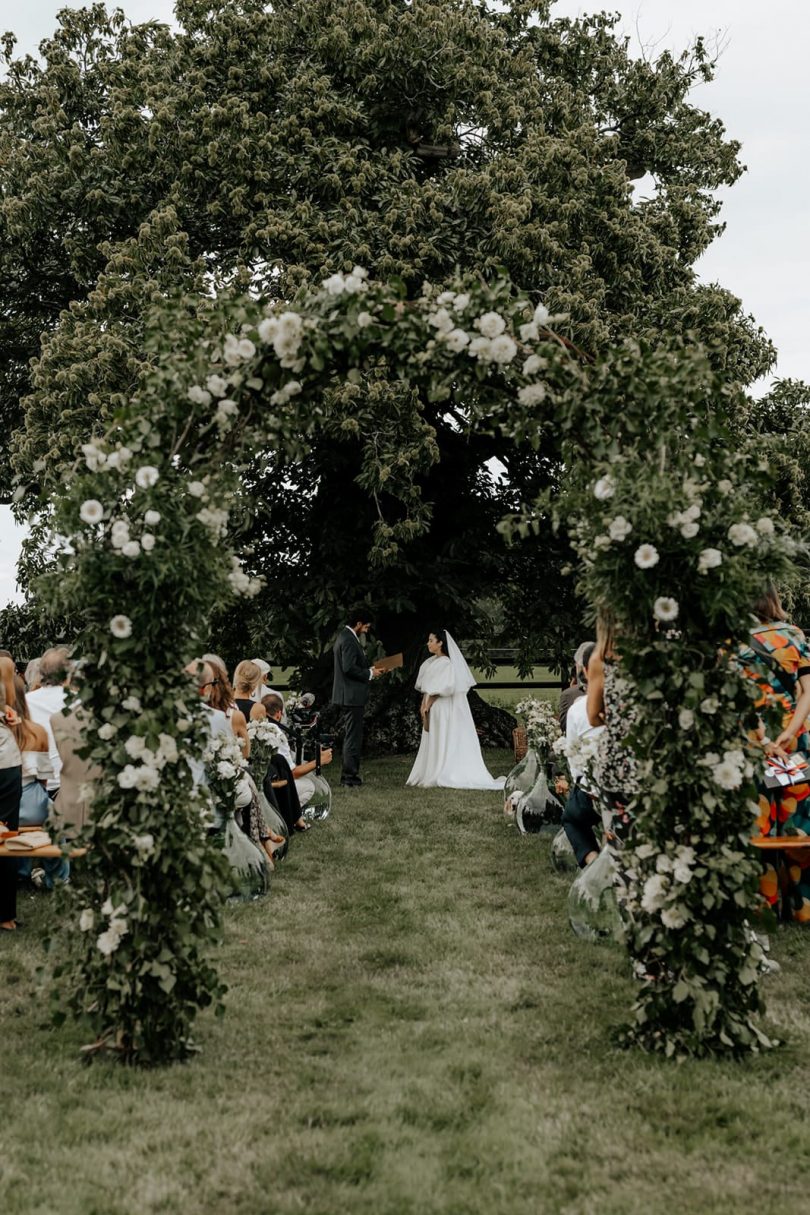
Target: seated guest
(54, 673)
(264, 689)
(37, 769)
(72, 808)
(576, 686)
(582, 816)
(222, 698)
(31, 676)
(10, 793)
(247, 679)
(300, 772)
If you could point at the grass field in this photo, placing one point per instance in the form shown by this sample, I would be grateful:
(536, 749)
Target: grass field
(411, 1029)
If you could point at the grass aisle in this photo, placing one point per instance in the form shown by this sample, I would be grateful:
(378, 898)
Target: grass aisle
(411, 1028)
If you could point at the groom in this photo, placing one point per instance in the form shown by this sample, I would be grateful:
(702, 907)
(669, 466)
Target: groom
(350, 689)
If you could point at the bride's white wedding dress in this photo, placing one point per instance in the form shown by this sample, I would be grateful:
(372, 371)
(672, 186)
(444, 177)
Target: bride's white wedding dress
(450, 754)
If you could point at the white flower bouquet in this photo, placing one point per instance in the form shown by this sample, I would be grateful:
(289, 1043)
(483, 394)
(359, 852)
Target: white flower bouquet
(266, 738)
(542, 725)
(224, 771)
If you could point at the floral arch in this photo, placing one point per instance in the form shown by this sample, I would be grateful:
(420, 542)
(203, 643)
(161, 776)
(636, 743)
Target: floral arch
(658, 504)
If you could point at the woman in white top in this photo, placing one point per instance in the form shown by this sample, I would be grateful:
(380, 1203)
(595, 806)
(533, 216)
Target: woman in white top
(10, 790)
(449, 753)
(37, 769)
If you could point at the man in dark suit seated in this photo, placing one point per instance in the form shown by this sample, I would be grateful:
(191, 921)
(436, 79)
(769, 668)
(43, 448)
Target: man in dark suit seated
(350, 689)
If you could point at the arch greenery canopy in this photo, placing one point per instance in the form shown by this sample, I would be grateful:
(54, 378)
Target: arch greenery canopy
(661, 501)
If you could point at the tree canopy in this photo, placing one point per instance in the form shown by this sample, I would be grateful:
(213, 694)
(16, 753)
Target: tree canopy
(262, 150)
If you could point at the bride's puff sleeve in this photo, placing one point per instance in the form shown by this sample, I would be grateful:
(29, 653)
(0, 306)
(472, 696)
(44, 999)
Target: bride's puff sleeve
(436, 678)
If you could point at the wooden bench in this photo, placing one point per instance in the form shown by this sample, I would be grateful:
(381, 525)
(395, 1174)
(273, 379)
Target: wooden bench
(780, 846)
(47, 851)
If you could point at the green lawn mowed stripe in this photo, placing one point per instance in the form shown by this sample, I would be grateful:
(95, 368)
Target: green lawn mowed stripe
(411, 1027)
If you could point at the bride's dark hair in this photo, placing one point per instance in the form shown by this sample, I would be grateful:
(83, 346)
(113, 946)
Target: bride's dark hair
(441, 636)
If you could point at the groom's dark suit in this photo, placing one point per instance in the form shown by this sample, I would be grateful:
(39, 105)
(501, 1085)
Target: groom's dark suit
(350, 690)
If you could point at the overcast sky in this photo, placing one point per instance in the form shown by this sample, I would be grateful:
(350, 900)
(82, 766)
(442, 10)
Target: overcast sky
(762, 95)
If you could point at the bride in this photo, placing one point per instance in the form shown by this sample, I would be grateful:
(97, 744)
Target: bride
(449, 753)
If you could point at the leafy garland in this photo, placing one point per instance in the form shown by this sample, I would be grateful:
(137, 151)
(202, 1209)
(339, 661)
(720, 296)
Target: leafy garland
(144, 525)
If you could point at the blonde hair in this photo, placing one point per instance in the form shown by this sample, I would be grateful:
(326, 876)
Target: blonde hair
(605, 635)
(247, 676)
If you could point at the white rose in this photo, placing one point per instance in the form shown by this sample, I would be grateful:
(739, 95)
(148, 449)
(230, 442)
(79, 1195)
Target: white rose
(727, 775)
(665, 609)
(655, 892)
(86, 920)
(121, 627)
(604, 488)
(107, 731)
(461, 302)
(725, 487)
(146, 476)
(480, 348)
(529, 332)
(532, 394)
(352, 284)
(144, 843)
(765, 527)
(709, 559)
(132, 704)
(196, 489)
(135, 746)
(198, 395)
(646, 556)
(742, 534)
(216, 385)
(456, 340)
(268, 328)
(689, 530)
(491, 324)
(334, 285)
(503, 349)
(226, 769)
(108, 942)
(132, 548)
(91, 511)
(364, 319)
(532, 365)
(128, 776)
(673, 917)
(541, 315)
(151, 518)
(686, 719)
(445, 298)
(441, 320)
(147, 542)
(146, 779)
(619, 528)
(710, 705)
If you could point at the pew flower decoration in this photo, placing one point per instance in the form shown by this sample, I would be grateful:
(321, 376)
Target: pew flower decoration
(542, 724)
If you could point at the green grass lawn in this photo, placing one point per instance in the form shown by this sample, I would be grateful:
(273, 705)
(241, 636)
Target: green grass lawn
(411, 1028)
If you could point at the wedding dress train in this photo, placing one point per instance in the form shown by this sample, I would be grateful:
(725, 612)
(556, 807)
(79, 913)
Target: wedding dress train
(449, 753)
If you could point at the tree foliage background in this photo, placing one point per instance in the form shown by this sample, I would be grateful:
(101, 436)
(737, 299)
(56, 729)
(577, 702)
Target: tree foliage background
(266, 149)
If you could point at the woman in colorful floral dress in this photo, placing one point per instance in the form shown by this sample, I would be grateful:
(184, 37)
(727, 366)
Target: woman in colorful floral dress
(777, 659)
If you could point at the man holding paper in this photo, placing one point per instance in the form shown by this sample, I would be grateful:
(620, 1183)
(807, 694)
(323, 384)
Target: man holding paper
(350, 688)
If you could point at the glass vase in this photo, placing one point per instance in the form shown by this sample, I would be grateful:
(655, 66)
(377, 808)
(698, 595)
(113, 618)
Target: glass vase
(538, 810)
(250, 876)
(318, 806)
(520, 780)
(593, 912)
(562, 854)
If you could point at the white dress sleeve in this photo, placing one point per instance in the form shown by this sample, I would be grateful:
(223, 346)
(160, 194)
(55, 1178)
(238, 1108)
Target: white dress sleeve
(436, 677)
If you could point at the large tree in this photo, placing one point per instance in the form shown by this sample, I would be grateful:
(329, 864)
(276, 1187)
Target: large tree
(270, 148)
